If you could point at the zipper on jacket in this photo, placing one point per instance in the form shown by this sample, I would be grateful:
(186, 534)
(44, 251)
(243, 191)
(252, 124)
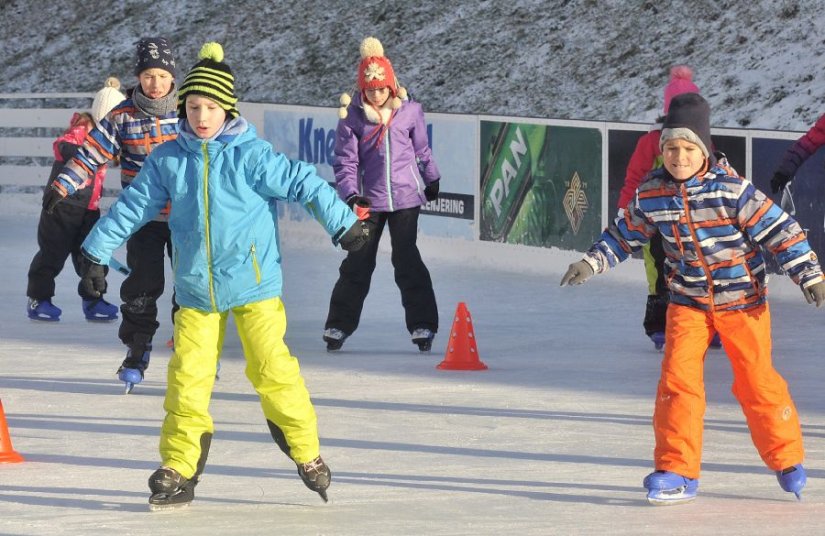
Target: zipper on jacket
(698, 248)
(417, 182)
(205, 150)
(387, 170)
(255, 265)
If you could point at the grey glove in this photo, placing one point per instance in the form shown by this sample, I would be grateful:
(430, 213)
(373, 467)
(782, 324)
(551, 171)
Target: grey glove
(577, 273)
(815, 293)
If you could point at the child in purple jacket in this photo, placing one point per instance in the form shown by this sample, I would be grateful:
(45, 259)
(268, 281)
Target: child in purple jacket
(383, 169)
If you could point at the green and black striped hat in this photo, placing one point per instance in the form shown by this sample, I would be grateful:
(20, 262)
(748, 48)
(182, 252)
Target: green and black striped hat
(211, 78)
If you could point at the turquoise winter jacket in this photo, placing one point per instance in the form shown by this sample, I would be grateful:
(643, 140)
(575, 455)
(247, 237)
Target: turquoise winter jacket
(223, 220)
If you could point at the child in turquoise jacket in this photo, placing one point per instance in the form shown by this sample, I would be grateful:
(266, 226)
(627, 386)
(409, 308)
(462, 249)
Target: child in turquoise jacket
(221, 180)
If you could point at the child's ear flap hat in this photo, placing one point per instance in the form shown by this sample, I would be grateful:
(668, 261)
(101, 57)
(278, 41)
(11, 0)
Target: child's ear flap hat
(375, 71)
(107, 98)
(211, 78)
(688, 119)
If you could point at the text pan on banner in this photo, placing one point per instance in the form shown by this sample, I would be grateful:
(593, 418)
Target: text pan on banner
(540, 184)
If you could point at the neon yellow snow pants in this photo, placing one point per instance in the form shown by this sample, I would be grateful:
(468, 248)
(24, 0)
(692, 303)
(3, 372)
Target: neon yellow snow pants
(274, 373)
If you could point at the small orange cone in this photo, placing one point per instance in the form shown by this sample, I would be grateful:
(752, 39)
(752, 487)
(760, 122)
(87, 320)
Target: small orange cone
(462, 353)
(7, 452)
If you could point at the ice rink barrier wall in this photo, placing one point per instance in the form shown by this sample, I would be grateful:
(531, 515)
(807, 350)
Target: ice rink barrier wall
(506, 181)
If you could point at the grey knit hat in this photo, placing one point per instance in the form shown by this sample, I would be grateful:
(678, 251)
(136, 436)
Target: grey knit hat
(688, 118)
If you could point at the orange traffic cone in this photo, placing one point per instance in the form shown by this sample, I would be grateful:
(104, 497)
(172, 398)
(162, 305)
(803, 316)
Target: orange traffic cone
(7, 452)
(462, 353)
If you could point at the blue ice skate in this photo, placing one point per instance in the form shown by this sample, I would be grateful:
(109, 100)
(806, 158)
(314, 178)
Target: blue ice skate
(658, 339)
(793, 479)
(99, 310)
(43, 310)
(131, 371)
(665, 488)
(716, 342)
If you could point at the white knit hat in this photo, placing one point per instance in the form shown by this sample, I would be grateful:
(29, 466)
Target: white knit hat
(107, 98)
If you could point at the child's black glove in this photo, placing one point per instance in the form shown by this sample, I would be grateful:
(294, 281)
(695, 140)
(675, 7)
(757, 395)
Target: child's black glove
(779, 181)
(431, 191)
(51, 197)
(355, 237)
(92, 278)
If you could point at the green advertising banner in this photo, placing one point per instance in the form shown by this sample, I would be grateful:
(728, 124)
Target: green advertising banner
(540, 184)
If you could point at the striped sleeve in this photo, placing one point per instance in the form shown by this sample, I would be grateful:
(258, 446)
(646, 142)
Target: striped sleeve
(774, 229)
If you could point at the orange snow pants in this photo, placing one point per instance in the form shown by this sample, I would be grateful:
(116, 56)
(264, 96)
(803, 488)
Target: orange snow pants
(760, 390)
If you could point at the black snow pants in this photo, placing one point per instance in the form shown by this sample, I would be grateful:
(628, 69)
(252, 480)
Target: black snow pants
(411, 275)
(59, 235)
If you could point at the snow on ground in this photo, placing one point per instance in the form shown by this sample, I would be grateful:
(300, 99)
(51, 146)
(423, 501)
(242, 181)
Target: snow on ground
(554, 438)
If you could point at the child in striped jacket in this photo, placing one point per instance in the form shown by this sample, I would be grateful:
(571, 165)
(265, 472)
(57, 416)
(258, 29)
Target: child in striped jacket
(712, 224)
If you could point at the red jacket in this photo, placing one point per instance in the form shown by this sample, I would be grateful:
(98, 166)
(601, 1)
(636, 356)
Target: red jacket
(646, 157)
(803, 148)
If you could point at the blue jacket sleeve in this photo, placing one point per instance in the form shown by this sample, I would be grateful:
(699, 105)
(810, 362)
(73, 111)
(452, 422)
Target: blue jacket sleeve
(135, 206)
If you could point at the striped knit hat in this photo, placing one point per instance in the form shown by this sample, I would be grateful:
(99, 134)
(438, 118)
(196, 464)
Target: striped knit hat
(211, 78)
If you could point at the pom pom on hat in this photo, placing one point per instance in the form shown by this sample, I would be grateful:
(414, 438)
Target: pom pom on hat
(344, 100)
(107, 98)
(211, 78)
(681, 81)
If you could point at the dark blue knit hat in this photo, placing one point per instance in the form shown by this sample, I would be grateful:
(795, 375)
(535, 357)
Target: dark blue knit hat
(155, 53)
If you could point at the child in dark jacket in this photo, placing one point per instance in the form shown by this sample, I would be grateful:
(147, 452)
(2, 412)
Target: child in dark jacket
(712, 224)
(60, 232)
(223, 182)
(385, 170)
(795, 156)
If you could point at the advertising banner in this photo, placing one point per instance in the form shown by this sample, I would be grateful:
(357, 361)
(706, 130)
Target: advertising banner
(541, 185)
(309, 134)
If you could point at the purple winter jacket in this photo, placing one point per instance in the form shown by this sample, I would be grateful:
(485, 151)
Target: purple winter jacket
(392, 174)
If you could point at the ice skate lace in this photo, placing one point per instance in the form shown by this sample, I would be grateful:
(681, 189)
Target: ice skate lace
(314, 467)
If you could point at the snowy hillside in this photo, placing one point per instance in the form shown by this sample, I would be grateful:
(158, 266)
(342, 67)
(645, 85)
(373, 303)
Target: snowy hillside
(757, 62)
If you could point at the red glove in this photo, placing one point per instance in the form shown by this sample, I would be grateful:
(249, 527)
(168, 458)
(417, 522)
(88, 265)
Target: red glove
(359, 205)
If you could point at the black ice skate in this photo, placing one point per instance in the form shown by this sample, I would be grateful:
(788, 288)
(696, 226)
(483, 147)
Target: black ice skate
(334, 338)
(423, 338)
(316, 475)
(170, 490)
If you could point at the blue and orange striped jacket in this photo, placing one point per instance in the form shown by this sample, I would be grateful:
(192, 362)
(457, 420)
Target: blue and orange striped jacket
(126, 131)
(713, 226)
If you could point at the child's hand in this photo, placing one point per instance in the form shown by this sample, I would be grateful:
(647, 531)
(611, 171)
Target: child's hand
(431, 191)
(577, 273)
(355, 237)
(53, 195)
(815, 293)
(778, 181)
(359, 205)
(93, 277)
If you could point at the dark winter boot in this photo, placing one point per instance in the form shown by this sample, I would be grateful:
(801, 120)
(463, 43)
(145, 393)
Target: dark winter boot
(316, 475)
(170, 489)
